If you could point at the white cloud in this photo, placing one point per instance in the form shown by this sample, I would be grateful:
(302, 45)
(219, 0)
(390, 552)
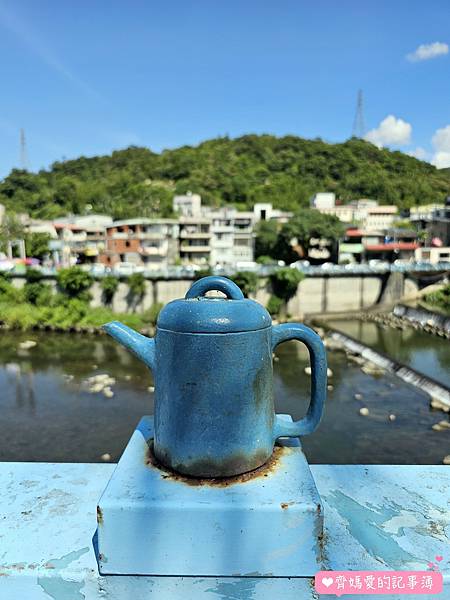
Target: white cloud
(427, 51)
(390, 131)
(441, 144)
(419, 153)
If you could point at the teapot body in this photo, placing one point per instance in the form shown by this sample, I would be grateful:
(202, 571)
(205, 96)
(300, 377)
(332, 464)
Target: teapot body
(211, 360)
(214, 407)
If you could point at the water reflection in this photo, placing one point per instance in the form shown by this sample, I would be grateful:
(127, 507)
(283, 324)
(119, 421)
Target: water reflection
(48, 414)
(428, 354)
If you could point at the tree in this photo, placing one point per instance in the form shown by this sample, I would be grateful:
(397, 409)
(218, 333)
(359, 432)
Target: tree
(74, 282)
(109, 285)
(295, 236)
(11, 229)
(252, 168)
(36, 244)
(284, 285)
(247, 281)
(266, 239)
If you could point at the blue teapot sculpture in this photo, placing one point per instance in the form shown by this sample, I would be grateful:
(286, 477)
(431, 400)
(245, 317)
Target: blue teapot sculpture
(211, 360)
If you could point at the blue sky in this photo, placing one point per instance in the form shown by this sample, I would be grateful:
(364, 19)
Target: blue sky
(84, 77)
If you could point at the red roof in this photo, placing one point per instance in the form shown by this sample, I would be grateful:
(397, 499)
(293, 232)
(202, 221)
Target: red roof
(392, 246)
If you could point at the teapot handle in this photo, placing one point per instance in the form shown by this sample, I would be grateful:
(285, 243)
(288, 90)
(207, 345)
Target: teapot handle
(221, 284)
(318, 358)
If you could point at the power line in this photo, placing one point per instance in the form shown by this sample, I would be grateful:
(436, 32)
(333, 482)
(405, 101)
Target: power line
(359, 126)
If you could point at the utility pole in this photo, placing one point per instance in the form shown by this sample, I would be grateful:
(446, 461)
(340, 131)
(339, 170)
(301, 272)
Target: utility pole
(359, 126)
(23, 151)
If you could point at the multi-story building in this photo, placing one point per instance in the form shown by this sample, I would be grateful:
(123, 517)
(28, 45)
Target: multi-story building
(244, 242)
(80, 238)
(152, 243)
(361, 245)
(438, 226)
(195, 240)
(433, 254)
(367, 214)
(222, 236)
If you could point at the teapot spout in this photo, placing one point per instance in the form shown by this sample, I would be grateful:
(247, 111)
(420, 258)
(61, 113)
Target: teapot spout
(143, 347)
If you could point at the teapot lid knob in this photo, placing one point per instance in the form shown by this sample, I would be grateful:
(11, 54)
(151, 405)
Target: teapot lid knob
(221, 284)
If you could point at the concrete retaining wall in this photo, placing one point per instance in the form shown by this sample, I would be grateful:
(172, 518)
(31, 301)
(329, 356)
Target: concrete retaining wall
(315, 295)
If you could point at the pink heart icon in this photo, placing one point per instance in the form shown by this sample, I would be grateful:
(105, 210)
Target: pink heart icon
(431, 565)
(439, 558)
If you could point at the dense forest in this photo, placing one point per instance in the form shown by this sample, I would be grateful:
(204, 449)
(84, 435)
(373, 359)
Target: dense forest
(254, 168)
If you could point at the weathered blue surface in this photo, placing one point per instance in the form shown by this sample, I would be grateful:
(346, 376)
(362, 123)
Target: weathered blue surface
(212, 364)
(376, 517)
(152, 521)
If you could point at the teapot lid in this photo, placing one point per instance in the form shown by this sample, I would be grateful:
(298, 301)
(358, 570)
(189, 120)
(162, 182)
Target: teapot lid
(197, 313)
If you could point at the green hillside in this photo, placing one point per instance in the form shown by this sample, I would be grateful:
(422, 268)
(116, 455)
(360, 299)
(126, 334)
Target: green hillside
(285, 171)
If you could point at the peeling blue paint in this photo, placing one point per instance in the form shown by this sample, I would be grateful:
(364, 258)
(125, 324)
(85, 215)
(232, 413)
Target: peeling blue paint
(56, 586)
(237, 589)
(364, 523)
(62, 589)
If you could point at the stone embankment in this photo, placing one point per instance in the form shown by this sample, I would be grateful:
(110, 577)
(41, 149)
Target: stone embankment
(375, 363)
(404, 317)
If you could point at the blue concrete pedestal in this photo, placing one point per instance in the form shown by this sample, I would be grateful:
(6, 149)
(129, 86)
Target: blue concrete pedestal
(267, 523)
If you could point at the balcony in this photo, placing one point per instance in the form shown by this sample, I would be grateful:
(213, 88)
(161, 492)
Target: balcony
(197, 235)
(189, 248)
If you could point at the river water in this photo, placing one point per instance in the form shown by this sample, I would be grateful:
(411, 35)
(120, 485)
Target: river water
(426, 353)
(48, 414)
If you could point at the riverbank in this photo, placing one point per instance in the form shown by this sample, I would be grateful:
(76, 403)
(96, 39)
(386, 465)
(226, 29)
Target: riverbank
(66, 315)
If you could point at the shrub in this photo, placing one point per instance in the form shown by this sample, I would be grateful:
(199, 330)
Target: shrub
(274, 305)
(206, 272)
(136, 291)
(285, 282)
(33, 275)
(9, 293)
(74, 282)
(136, 283)
(247, 281)
(266, 260)
(153, 312)
(109, 285)
(39, 294)
(441, 298)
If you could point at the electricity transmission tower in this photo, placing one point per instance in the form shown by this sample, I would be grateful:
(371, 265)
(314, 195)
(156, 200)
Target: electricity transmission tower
(359, 126)
(23, 152)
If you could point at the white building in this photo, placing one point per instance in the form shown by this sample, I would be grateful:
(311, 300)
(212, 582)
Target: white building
(222, 236)
(264, 211)
(188, 205)
(365, 213)
(323, 200)
(432, 254)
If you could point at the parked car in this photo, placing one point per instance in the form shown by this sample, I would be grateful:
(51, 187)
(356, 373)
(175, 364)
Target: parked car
(99, 270)
(124, 269)
(300, 264)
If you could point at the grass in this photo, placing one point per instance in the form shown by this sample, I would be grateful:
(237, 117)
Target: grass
(73, 314)
(41, 309)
